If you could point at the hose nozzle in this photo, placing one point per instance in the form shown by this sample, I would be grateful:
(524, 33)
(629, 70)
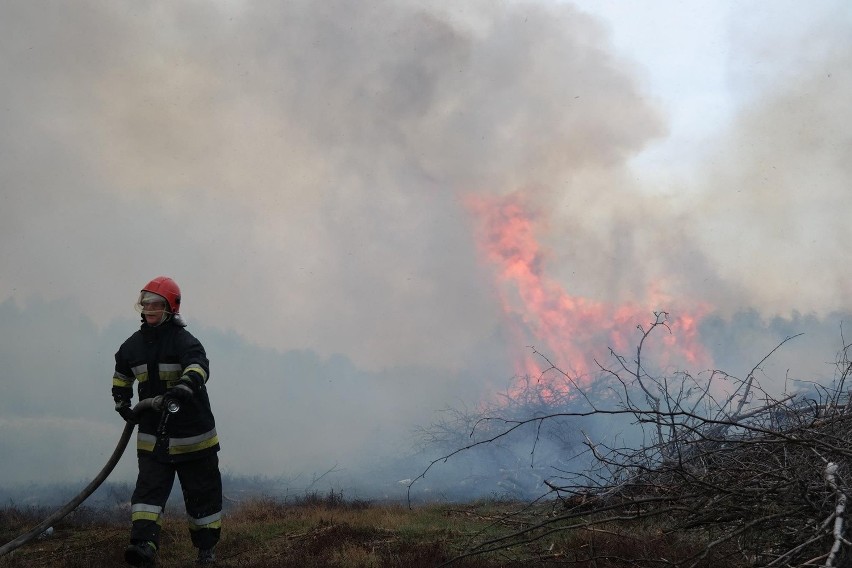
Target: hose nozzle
(170, 405)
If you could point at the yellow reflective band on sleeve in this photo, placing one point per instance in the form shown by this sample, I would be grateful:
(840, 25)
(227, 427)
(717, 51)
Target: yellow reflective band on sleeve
(120, 380)
(213, 521)
(140, 372)
(193, 444)
(198, 369)
(145, 442)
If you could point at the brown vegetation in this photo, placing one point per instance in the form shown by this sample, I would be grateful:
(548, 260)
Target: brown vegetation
(328, 531)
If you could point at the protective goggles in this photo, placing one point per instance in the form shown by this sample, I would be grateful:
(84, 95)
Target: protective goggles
(150, 303)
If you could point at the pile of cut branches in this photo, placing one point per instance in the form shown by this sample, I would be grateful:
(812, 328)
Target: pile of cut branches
(740, 477)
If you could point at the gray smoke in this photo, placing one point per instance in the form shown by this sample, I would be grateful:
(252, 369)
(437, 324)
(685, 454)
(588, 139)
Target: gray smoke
(300, 169)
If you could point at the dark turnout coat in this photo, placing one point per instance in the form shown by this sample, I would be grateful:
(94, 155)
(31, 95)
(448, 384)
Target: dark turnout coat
(156, 358)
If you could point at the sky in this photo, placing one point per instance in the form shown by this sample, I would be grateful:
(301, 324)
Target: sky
(375, 210)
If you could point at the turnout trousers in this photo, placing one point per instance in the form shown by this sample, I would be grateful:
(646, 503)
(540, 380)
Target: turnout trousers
(201, 484)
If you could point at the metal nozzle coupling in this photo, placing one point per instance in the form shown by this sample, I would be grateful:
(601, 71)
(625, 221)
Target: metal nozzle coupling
(170, 405)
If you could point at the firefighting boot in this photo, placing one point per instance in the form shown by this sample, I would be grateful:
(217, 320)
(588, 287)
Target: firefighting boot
(141, 554)
(206, 556)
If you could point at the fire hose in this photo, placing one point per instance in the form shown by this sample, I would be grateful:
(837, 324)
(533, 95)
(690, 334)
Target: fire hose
(157, 403)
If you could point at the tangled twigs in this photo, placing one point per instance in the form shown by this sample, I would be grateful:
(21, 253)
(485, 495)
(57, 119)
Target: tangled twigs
(744, 476)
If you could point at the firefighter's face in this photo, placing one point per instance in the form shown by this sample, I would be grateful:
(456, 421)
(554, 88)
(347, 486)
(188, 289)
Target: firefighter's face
(153, 312)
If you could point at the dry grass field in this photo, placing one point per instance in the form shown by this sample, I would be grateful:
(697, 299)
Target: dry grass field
(327, 531)
(324, 531)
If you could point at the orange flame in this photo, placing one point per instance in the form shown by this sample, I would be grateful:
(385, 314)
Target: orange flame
(577, 332)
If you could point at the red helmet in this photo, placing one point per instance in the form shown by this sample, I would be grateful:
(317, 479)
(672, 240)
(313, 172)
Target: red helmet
(168, 289)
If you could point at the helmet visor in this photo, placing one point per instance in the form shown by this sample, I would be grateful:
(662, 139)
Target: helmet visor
(151, 304)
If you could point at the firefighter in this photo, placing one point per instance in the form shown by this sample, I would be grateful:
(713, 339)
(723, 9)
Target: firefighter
(163, 358)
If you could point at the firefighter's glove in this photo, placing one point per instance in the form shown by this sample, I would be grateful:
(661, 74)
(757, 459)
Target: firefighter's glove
(182, 392)
(125, 411)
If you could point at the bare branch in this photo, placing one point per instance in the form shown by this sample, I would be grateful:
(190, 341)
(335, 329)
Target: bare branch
(745, 478)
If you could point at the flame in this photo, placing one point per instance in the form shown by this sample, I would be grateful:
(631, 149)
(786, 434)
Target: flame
(576, 332)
